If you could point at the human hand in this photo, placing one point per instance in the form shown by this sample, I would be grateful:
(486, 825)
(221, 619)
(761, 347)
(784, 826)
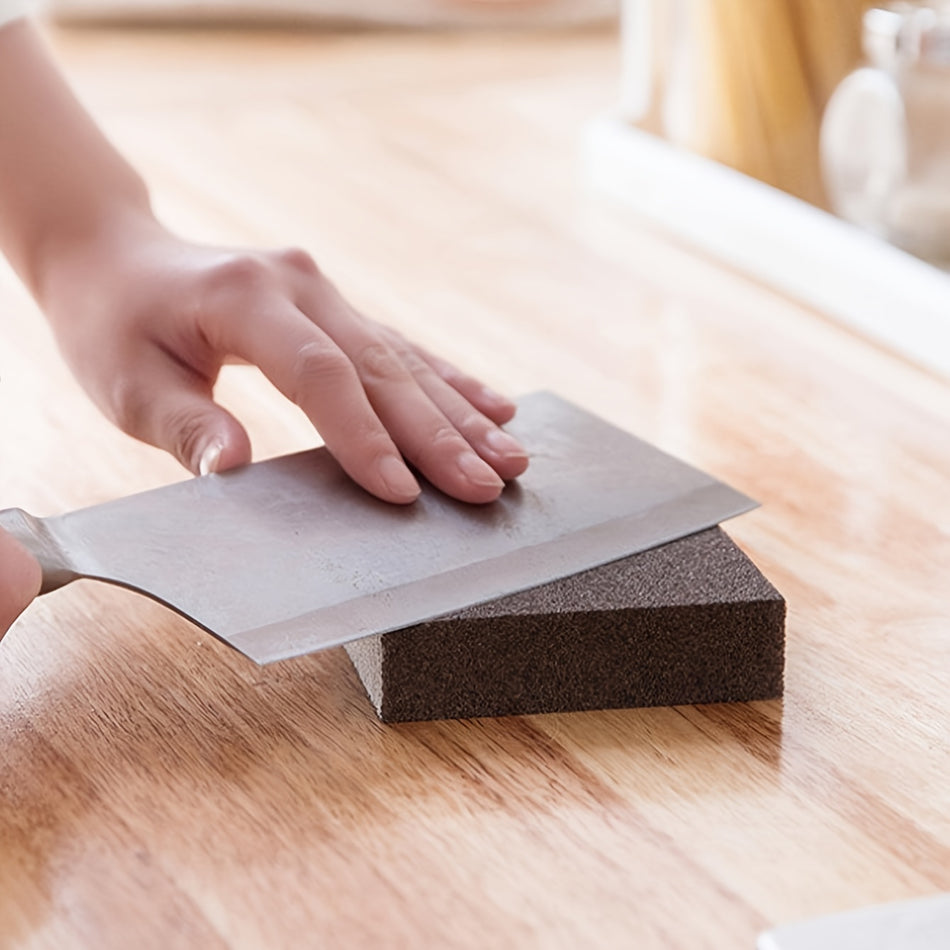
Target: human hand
(146, 321)
(20, 579)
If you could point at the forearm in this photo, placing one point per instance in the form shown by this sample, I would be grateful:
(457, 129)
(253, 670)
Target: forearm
(61, 181)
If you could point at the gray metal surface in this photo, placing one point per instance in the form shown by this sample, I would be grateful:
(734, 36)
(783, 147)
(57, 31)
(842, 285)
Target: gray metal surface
(287, 556)
(919, 924)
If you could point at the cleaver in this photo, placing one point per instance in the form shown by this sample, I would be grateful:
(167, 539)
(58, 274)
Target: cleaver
(287, 556)
(922, 923)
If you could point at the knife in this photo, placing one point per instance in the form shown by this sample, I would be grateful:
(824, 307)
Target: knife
(287, 556)
(920, 924)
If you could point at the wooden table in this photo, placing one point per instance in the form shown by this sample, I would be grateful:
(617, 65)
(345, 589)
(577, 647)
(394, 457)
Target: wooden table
(158, 790)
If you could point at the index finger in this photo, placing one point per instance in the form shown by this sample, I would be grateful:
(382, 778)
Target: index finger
(307, 366)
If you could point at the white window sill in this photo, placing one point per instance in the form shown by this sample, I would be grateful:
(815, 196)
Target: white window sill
(808, 254)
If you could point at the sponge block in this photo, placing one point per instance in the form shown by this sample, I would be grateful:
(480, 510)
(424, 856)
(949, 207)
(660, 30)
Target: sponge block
(692, 621)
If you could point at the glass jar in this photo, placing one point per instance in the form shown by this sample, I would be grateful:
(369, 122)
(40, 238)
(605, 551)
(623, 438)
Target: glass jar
(885, 138)
(743, 82)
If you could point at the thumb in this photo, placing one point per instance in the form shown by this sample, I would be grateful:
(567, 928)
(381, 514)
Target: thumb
(204, 437)
(20, 579)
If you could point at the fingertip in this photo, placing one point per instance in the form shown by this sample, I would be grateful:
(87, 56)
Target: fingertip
(500, 409)
(479, 483)
(400, 486)
(210, 457)
(502, 414)
(202, 435)
(483, 494)
(224, 450)
(512, 467)
(505, 454)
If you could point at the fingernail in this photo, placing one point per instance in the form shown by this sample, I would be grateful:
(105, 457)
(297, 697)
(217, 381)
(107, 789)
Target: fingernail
(210, 457)
(479, 472)
(398, 478)
(505, 445)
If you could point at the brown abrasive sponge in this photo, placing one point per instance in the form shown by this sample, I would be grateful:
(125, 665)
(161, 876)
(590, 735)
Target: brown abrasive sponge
(692, 621)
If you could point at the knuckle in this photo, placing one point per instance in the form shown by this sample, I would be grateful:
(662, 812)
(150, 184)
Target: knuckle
(392, 336)
(472, 424)
(297, 260)
(238, 275)
(446, 435)
(445, 370)
(449, 374)
(317, 363)
(414, 363)
(442, 441)
(378, 363)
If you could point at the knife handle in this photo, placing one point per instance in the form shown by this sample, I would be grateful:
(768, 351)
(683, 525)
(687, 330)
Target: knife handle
(35, 536)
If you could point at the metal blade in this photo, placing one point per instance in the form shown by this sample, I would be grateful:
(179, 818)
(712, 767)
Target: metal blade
(287, 556)
(922, 923)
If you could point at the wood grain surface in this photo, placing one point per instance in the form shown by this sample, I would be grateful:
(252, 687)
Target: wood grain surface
(158, 790)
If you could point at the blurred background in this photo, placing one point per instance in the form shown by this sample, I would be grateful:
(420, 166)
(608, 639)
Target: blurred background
(844, 104)
(381, 12)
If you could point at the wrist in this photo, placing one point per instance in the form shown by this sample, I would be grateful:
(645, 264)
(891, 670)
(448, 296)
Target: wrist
(84, 245)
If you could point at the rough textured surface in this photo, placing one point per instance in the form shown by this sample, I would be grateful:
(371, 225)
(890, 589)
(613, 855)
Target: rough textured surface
(693, 621)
